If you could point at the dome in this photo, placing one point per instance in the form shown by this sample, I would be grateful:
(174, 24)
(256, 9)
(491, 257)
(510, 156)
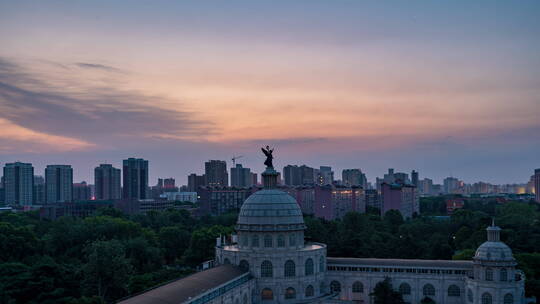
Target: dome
(270, 210)
(494, 251)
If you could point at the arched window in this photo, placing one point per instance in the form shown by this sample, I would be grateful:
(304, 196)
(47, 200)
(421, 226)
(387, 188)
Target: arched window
(245, 300)
(321, 264)
(244, 240)
(236, 301)
(486, 298)
(508, 298)
(290, 293)
(335, 287)
(290, 269)
(281, 241)
(489, 274)
(226, 261)
(405, 289)
(357, 287)
(292, 240)
(429, 290)
(310, 292)
(470, 295)
(268, 241)
(504, 275)
(244, 265)
(309, 266)
(266, 269)
(255, 241)
(267, 294)
(453, 291)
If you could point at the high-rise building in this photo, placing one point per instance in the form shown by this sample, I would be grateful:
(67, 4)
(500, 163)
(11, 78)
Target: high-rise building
(291, 175)
(241, 177)
(450, 185)
(254, 180)
(401, 197)
(195, 182)
(58, 184)
(414, 178)
(537, 184)
(18, 184)
(135, 178)
(325, 176)
(354, 177)
(39, 190)
(81, 191)
(107, 182)
(169, 183)
(216, 173)
(425, 186)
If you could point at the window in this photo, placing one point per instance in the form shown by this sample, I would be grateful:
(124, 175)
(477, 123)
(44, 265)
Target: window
(226, 261)
(508, 298)
(255, 241)
(321, 264)
(429, 290)
(469, 295)
(267, 294)
(357, 287)
(486, 298)
(310, 292)
(309, 266)
(267, 241)
(244, 240)
(281, 241)
(489, 274)
(335, 287)
(504, 275)
(405, 289)
(290, 269)
(292, 240)
(266, 269)
(322, 288)
(244, 265)
(290, 293)
(453, 291)
(245, 300)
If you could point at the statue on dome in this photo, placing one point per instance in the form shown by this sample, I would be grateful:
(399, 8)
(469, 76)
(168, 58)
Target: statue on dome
(268, 153)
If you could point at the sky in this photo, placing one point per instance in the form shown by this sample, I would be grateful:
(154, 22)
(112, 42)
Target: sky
(449, 88)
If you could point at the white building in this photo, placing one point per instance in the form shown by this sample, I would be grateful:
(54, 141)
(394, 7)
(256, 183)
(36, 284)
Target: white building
(273, 264)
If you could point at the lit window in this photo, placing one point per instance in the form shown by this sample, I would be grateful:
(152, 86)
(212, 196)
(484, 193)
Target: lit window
(290, 293)
(267, 294)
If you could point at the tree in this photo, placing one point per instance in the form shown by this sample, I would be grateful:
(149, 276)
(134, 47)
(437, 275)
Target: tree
(107, 271)
(383, 293)
(202, 243)
(174, 241)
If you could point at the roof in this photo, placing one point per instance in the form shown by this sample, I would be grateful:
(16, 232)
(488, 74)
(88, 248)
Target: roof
(270, 207)
(401, 262)
(188, 287)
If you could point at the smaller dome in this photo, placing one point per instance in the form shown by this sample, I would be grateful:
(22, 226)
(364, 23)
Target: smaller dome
(494, 251)
(270, 210)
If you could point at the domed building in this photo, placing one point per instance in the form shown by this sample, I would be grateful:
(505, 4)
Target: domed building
(268, 261)
(270, 244)
(495, 278)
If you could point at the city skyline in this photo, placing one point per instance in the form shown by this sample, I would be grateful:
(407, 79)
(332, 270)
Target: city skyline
(182, 177)
(447, 89)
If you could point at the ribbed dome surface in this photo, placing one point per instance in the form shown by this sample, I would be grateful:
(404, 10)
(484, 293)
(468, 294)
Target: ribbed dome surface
(494, 251)
(270, 207)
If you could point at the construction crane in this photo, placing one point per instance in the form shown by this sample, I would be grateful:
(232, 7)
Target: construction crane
(234, 158)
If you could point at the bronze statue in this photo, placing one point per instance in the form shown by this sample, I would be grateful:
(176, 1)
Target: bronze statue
(268, 153)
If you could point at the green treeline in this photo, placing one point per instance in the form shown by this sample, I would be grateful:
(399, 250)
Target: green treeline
(111, 255)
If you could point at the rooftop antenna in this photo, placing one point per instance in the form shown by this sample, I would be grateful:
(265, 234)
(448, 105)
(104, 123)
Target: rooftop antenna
(234, 158)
